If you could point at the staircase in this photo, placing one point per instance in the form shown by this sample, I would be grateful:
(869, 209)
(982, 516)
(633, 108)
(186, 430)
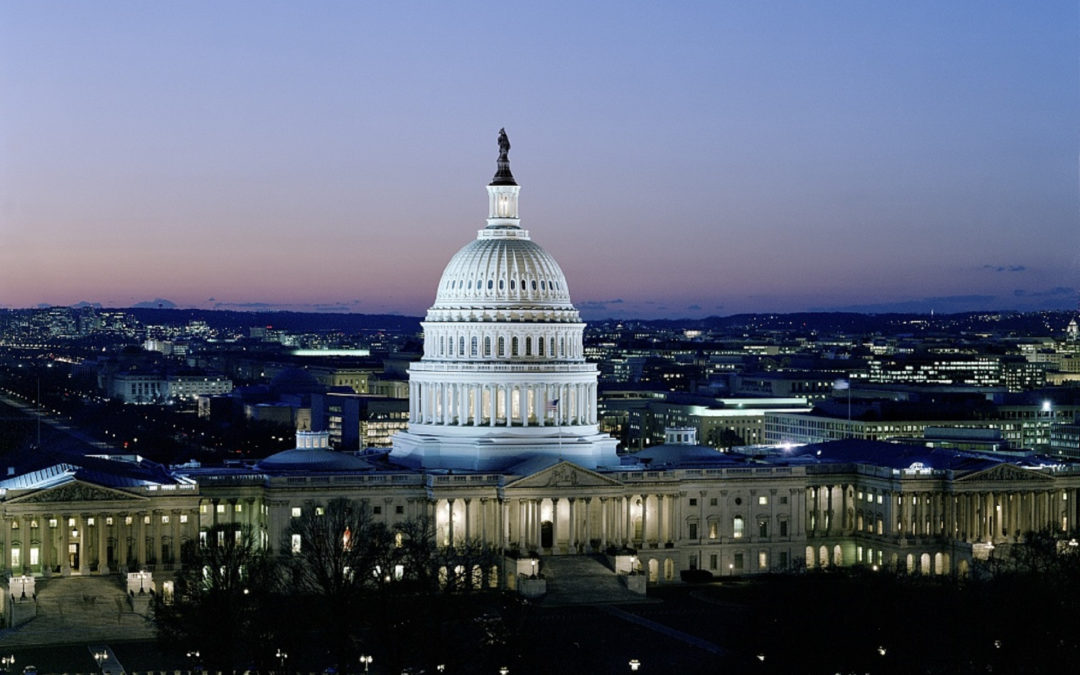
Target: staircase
(583, 580)
(79, 609)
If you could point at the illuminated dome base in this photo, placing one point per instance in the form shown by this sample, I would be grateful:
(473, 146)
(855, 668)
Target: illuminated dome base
(498, 452)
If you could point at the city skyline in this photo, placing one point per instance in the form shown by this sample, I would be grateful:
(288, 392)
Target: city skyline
(678, 162)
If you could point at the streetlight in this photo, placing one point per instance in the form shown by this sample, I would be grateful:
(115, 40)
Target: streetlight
(634, 664)
(366, 659)
(281, 656)
(8, 662)
(101, 657)
(193, 656)
(503, 670)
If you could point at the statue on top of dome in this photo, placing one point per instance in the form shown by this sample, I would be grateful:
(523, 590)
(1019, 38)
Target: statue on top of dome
(504, 146)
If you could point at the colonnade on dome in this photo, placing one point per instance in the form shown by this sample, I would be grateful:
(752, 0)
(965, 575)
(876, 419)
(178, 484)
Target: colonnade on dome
(495, 404)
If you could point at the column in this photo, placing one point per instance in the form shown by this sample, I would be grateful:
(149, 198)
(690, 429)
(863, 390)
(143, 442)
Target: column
(46, 545)
(468, 520)
(587, 533)
(24, 548)
(554, 525)
(140, 539)
(660, 525)
(537, 529)
(644, 521)
(450, 522)
(628, 533)
(103, 551)
(485, 504)
(603, 523)
(571, 534)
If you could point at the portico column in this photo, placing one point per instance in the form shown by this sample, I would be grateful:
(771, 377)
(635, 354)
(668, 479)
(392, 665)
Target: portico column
(450, 522)
(521, 523)
(554, 525)
(84, 548)
(660, 525)
(537, 529)
(571, 534)
(587, 535)
(603, 523)
(24, 548)
(485, 504)
(468, 519)
(102, 552)
(644, 520)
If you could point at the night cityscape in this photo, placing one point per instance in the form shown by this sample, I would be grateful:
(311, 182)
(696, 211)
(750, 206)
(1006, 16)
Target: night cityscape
(773, 367)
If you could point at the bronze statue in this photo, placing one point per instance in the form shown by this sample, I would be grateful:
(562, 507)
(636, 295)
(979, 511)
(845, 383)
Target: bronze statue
(504, 146)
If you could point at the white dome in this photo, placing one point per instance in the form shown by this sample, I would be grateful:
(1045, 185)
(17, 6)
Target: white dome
(501, 270)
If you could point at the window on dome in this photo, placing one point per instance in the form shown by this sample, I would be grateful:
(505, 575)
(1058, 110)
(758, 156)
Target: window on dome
(514, 346)
(500, 284)
(528, 346)
(543, 287)
(474, 347)
(502, 346)
(487, 346)
(540, 347)
(512, 285)
(534, 284)
(523, 287)
(470, 283)
(461, 346)
(491, 284)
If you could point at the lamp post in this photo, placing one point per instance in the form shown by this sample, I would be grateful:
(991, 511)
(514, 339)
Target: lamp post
(8, 662)
(281, 655)
(634, 665)
(100, 657)
(193, 656)
(366, 659)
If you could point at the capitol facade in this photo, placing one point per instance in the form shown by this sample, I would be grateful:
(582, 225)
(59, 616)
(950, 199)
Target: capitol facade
(503, 449)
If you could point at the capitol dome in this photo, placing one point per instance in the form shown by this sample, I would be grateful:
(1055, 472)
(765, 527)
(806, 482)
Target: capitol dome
(502, 270)
(503, 377)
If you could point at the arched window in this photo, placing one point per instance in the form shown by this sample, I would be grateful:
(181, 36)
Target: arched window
(487, 346)
(442, 345)
(534, 284)
(474, 347)
(523, 287)
(491, 284)
(513, 346)
(511, 284)
(528, 346)
(502, 346)
(540, 347)
(500, 284)
(737, 527)
(461, 346)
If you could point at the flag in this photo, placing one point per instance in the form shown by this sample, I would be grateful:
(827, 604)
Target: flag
(552, 406)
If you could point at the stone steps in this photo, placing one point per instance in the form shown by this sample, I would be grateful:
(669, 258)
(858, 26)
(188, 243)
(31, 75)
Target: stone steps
(79, 609)
(583, 580)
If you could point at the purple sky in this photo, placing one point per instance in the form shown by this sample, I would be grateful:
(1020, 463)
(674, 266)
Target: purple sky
(678, 159)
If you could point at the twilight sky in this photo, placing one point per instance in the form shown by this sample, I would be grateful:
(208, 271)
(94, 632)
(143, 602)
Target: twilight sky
(678, 159)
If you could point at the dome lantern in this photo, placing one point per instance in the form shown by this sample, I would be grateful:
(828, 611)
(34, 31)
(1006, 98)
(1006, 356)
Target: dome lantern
(503, 191)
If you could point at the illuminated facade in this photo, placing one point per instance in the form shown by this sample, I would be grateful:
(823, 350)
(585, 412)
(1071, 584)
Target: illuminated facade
(503, 448)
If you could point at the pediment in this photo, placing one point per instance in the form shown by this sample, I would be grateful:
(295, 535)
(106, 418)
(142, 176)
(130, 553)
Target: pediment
(564, 475)
(76, 491)
(1006, 472)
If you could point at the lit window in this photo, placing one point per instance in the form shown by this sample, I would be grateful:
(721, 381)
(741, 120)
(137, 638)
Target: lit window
(146, 520)
(295, 544)
(164, 520)
(237, 508)
(737, 526)
(319, 510)
(221, 508)
(89, 522)
(763, 560)
(202, 508)
(127, 520)
(296, 512)
(183, 517)
(762, 500)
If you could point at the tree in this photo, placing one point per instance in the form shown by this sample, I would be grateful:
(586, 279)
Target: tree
(340, 557)
(223, 601)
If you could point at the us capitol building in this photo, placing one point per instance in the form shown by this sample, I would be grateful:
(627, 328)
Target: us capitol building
(503, 447)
